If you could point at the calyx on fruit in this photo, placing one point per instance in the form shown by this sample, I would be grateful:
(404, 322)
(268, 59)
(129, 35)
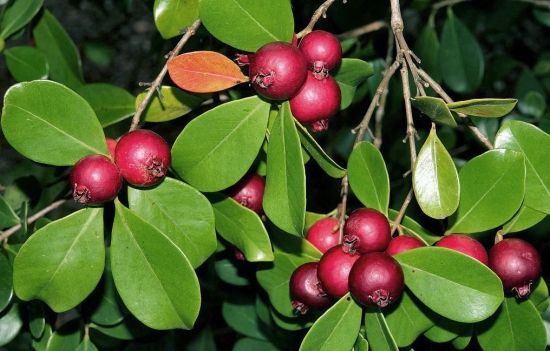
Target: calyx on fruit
(143, 157)
(376, 279)
(304, 289)
(465, 244)
(95, 180)
(324, 234)
(403, 243)
(322, 51)
(517, 263)
(249, 192)
(367, 230)
(333, 270)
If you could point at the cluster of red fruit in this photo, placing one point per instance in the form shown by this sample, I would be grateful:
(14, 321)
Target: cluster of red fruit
(141, 157)
(363, 264)
(281, 71)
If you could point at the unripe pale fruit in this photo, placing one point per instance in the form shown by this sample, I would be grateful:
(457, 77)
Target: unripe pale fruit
(322, 51)
(333, 271)
(324, 234)
(376, 279)
(517, 264)
(316, 102)
(278, 70)
(95, 180)
(111, 145)
(403, 243)
(367, 230)
(465, 244)
(249, 192)
(143, 157)
(304, 289)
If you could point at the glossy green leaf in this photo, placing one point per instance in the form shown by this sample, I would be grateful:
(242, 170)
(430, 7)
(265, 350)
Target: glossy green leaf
(129, 329)
(110, 103)
(26, 63)
(525, 218)
(463, 340)
(41, 343)
(451, 284)
(253, 18)
(436, 109)
(378, 333)
(18, 15)
(204, 341)
(526, 84)
(217, 148)
(153, 277)
(176, 103)
(492, 187)
(408, 318)
(534, 104)
(284, 200)
(171, 16)
(49, 123)
(461, 58)
(86, 345)
(66, 337)
(61, 52)
(411, 227)
(435, 179)
(349, 74)
(319, 155)
(64, 271)
(6, 283)
(368, 177)
(230, 271)
(296, 322)
(534, 144)
(242, 227)
(516, 326)
(336, 329)
(484, 107)
(10, 324)
(446, 330)
(37, 318)
(182, 213)
(361, 344)
(240, 314)
(8, 218)
(426, 47)
(247, 344)
(539, 295)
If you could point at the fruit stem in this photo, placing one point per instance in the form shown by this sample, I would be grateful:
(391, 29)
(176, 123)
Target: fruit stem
(321, 11)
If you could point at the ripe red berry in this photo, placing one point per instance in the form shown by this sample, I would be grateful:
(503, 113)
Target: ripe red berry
(94, 180)
(465, 244)
(403, 243)
(367, 230)
(249, 192)
(376, 279)
(322, 51)
(111, 145)
(324, 234)
(304, 289)
(333, 271)
(517, 264)
(278, 70)
(316, 102)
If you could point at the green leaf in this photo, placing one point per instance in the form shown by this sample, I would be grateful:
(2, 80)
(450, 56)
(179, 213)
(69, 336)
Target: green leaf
(361, 344)
(242, 227)
(484, 107)
(379, 335)
(86, 345)
(6, 283)
(296, 322)
(463, 340)
(66, 337)
(319, 155)
(8, 218)
(533, 104)
(26, 63)
(18, 15)
(349, 74)
(368, 177)
(240, 314)
(525, 218)
(408, 318)
(10, 324)
(231, 271)
(492, 187)
(171, 16)
(539, 296)
(451, 284)
(37, 318)
(153, 277)
(61, 52)
(426, 47)
(182, 213)
(49, 123)
(247, 344)
(336, 329)
(436, 109)
(446, 330)
(217, 148)
(284, 200)
(461, 58)
(176, 103)
(129, 329)
(534, 144)
(517, 326)
(110, 103)
(435, 179)
(41, 343)
(203, 341)
(64, 271)
(254, 20)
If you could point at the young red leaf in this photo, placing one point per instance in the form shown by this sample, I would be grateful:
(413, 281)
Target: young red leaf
(204, 72)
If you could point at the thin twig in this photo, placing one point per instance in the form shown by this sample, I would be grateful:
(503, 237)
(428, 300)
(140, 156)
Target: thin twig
(320, 12)
(411, 130)
(342, 206)
(382, 105)
(368, 28)
(401, 214)
(444, 3)
(6, 234)
(157, 82)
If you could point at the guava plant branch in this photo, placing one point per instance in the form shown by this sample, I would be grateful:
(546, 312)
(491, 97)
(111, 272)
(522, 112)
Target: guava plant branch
(368, 28)
(320, 12)
(401, 213)
(444, 3)
(6, 234)
(378, 117)
(482, 138)
(342, 207)
(411, 130)
(190, 31)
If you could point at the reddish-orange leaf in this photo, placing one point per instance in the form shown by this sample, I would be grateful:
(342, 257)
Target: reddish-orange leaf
(205, 72)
